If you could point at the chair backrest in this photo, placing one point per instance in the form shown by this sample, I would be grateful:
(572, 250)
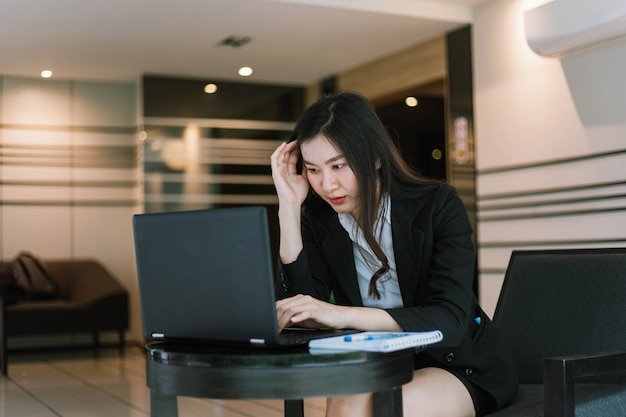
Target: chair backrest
(562, 302)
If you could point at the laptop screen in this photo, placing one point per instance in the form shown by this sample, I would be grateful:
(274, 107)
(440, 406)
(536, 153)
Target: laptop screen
(206, 275)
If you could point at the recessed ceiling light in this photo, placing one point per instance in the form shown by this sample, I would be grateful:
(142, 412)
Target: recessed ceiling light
(46, 74)
(210, 88)
(411, 101)
(245, 71)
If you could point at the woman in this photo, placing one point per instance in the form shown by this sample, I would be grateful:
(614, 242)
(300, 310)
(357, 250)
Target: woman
(393, 250)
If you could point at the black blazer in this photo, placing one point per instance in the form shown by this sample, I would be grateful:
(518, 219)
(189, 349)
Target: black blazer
(435, 262)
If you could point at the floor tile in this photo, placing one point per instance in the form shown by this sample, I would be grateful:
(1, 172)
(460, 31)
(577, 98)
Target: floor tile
(81, 384)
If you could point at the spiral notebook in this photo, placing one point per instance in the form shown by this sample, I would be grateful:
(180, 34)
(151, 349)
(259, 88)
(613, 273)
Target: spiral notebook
(378, 341)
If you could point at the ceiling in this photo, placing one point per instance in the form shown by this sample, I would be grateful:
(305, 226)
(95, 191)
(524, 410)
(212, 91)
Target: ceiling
(291, 41)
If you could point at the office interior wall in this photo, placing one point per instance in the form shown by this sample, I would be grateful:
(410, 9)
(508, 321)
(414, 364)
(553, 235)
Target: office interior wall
(550, 145)
(549, 135)
(419, 65)
(204, 151)
(68, 173)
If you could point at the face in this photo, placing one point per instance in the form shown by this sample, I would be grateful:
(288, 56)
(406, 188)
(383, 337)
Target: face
(329, 174)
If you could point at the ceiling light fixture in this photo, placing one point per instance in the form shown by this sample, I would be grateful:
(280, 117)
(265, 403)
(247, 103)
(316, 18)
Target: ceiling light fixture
(245, 71)
(46, 74)
(210, 88)
(411, 101)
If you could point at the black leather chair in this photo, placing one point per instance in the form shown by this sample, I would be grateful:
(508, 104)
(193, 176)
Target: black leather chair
(564, 314)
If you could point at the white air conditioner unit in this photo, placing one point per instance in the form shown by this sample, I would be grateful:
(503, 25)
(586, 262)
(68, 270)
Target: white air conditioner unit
(561, 27)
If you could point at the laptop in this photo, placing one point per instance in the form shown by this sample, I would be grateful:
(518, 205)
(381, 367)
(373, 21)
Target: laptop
(206, 275)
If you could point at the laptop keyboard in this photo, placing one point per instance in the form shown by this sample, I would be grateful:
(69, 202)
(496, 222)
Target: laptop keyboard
(294, 336)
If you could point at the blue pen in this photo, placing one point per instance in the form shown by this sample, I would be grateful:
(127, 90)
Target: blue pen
(363, 338)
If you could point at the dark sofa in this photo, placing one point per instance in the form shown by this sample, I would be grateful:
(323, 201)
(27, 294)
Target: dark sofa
(90, 300)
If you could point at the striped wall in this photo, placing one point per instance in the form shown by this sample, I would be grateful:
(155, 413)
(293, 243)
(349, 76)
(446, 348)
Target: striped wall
(69, 176)
(203, 151)
(550, 145)
(192, 164)
(565, 203)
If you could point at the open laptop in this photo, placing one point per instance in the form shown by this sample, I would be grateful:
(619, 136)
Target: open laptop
(206, 275)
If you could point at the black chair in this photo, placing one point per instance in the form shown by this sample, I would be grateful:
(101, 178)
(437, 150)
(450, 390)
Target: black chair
(564, 314)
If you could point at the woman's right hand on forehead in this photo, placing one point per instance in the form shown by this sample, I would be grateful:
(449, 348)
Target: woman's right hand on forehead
(292, 187)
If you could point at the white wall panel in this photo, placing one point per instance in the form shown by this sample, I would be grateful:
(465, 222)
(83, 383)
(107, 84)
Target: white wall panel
(489, 290)
(609, 226)
(44, 231)
(105, 233)
(37, 174)
(36, 195)
(124, 195)
(36, 102)
(550, 146)
(598, 168)
(28, 135)
(104, 104)
(105, 174)
(68, 173)
(119, 137)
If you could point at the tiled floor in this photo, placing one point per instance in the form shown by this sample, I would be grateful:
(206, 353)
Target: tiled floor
(75, 384)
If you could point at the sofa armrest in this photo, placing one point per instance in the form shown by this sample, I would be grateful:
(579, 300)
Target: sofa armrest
(9, 292)
(560, 374)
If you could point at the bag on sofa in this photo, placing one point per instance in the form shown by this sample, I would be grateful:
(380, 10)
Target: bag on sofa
(31, 276)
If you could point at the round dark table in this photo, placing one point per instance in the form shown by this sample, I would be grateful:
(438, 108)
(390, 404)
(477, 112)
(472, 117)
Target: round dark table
(206, 371)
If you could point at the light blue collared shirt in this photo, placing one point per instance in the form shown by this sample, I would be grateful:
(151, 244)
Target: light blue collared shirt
(366, 262)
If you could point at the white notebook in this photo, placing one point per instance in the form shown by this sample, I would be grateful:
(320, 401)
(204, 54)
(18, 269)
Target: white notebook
(378, 341)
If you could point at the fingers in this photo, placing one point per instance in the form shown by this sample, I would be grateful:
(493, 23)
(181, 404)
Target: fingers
(285, 312)
(278, 151)
(284, 158)
(291, 187)
(276, 156)
(292, 158)
(306, 311)
(295, 310)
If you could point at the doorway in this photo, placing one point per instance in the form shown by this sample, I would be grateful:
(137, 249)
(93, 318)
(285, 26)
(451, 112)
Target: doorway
(415, 119)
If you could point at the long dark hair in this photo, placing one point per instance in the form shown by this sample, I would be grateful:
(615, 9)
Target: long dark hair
(351, 124)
